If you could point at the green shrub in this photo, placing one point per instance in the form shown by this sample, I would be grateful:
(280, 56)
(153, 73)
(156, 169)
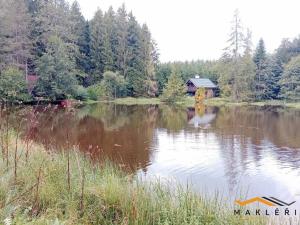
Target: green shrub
(174, 90)
(114, 84)
(13, 87)
(96, 92)
(80, 93)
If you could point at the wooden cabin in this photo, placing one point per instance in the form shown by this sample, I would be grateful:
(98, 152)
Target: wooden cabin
(194, 83)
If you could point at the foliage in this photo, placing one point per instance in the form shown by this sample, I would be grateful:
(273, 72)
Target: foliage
(96, 92)
(200, 95)
(245, 79)
(114, 84)
(80, 93)
(56, 71)
(110, 41)
(205, 69)
(174, 90)
(288, 49)
(115, 41)
(262, 72)
(236, 78)
(13, 87)
(15, 43)
(290, 81)
(120, 44)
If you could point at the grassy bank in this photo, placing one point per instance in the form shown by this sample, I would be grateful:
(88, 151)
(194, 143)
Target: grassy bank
(190, 102)
(137, 101)
(228, 102)
(65, 188)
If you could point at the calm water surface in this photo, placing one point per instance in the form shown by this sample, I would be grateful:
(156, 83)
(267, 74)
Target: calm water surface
(230, 150)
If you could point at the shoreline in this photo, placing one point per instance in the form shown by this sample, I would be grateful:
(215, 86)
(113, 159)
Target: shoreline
(190, 102)
(67, 188)
(185, 102)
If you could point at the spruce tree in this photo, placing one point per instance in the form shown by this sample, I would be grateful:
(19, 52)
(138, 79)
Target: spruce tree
(121, 48)
(57, 75)
(97, 30)
(110, 40)
(135, 73)
(290, 81)
(260, 81)
(15, 43)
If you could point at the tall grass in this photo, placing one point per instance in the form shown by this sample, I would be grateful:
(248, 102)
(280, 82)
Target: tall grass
(43, 193)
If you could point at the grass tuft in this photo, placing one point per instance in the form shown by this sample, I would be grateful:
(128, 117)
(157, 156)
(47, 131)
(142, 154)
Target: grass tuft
(98, 194)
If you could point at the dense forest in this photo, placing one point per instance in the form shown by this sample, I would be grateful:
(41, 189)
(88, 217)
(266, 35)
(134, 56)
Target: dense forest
(50, 45)
(48, 50)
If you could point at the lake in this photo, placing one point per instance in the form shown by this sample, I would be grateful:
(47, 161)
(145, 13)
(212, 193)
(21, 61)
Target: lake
(230, 150)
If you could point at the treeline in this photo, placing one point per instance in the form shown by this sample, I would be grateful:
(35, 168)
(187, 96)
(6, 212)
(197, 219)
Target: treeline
(243, 74)
(110, 55)
(49, 50)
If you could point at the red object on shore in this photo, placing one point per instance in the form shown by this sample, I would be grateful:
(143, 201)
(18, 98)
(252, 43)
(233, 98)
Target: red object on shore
(66, 103)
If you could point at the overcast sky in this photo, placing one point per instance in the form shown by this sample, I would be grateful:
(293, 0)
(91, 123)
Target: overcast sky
(198, 29)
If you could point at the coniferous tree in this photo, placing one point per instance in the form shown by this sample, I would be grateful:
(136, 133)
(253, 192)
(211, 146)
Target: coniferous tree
(57, 75)
(110, 40)
(122, 51)
(135, 73)
(235, 77)
(276, 70)
(288, 49)
(260, 60)
(231, 58)
(81, 39)
(246, 71)
(149, 61)
(53, 19)
(290, 81)
(84, 61)
(97, 46)
(15, 43)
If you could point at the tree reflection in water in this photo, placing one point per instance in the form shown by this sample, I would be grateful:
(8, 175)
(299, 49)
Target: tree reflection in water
(231, 141)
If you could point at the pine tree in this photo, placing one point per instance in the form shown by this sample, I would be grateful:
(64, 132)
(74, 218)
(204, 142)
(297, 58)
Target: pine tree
(81, 39)
(84, 61)
(15, 43)
(288, 49)
(149, 61)
(122, 51)
(236, 72)
(135, 73)
(235, 46)
(262, 72)
(276, 70)
(97, 30)
(56, 71)
(290, 81)
(53, 19)
(110, 40)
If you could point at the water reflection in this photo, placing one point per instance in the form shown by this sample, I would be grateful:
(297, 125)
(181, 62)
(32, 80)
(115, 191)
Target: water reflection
(214, 148)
